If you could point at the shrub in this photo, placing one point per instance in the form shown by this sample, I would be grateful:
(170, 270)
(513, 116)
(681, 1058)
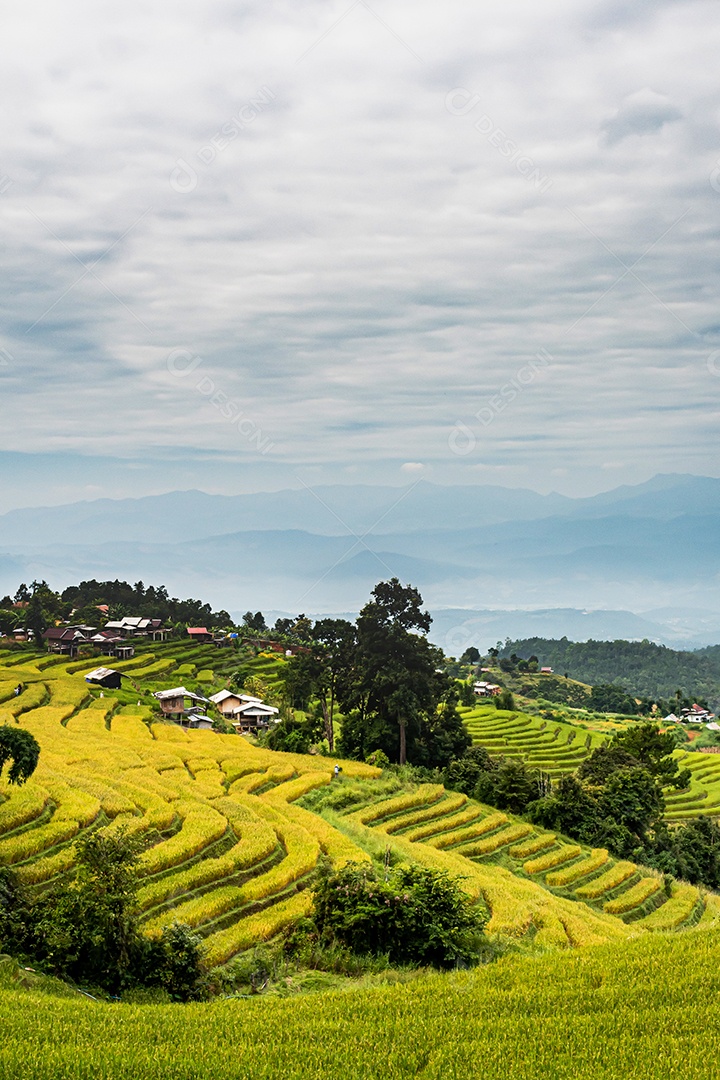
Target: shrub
(173, 962)
(414, 915)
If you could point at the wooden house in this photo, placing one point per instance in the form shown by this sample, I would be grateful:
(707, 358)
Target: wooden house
(172, 702)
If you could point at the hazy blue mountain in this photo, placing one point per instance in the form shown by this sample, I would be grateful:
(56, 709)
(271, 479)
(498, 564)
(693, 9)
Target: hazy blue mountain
(656, 545)
(328, 510)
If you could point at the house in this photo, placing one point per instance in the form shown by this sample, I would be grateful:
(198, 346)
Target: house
(546, 671)
(172, 702)
(197, 720)
(225, 701)
(671, 718)
(112, 645)
(253, 715)
(199, 633)
(245, 712)
(486, 689)
(103, 676)
(65, 639)
(137, 626)
(696, 715)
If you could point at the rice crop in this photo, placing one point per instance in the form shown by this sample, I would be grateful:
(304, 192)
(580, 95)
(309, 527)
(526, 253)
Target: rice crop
(532, 845)
(425, 795)
(634, 896)
(615, 876)
(595, 860)
(468, 832)
(683, 902)
(496, 840)
(552, 859)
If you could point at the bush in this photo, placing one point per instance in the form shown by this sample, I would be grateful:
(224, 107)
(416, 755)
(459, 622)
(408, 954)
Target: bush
(174, 963)
(463, 773)
(504, 700)
(412, 915)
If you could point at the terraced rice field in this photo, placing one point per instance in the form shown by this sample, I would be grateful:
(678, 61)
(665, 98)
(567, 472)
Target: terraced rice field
(531, 879)
(229, 850)
(226, 852)
(553, 747)
(703, 795)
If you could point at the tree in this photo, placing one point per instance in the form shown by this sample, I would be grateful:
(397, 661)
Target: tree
(442, 736)
(256, 686)
(570, 808)
(463, 773)
(9, 620)
(470, 656)
(504, 700)
(20, 747)
(174, 962)
(510, 785)
(255, 622)
(321, 672)
(89, 930)
(35, 618)
(632, 799)
(654, 751)
(396, 675)
(643, 745)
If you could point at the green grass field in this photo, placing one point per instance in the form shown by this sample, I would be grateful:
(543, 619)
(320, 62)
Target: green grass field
(643, 1008)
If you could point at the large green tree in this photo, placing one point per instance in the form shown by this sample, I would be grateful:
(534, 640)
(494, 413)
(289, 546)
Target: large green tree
(396, 685)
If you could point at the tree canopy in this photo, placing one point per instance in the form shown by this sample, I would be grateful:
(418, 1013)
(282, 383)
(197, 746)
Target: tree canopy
(22, 749)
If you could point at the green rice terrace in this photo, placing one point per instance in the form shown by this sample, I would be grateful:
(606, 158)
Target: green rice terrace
(230, 829)
(558, 748)
(554, 747)
(232, 834)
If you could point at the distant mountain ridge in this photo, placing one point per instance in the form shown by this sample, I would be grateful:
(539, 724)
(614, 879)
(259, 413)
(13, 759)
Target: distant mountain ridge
(484, 548)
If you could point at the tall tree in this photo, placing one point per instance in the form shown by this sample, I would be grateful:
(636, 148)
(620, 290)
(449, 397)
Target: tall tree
(323, 670)
(397, 675)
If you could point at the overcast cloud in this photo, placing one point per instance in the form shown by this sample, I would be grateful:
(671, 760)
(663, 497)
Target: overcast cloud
(246, 243)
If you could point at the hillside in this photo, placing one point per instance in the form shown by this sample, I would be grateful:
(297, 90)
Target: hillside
(230, 847)
(640, 667)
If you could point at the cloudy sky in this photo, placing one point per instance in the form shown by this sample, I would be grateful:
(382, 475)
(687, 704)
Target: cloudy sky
(252, 245)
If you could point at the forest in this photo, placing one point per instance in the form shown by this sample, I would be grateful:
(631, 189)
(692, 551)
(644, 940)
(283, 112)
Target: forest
(640, 667)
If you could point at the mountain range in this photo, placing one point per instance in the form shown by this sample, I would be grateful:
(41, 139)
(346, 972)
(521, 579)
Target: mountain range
(504, 557)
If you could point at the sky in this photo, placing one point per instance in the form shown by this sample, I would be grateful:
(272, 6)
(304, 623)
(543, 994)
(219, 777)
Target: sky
(249, 246)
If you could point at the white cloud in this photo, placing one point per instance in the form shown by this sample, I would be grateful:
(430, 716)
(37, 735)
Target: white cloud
(358, 267)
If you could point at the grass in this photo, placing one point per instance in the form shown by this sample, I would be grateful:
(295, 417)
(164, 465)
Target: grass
(606, 1014)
